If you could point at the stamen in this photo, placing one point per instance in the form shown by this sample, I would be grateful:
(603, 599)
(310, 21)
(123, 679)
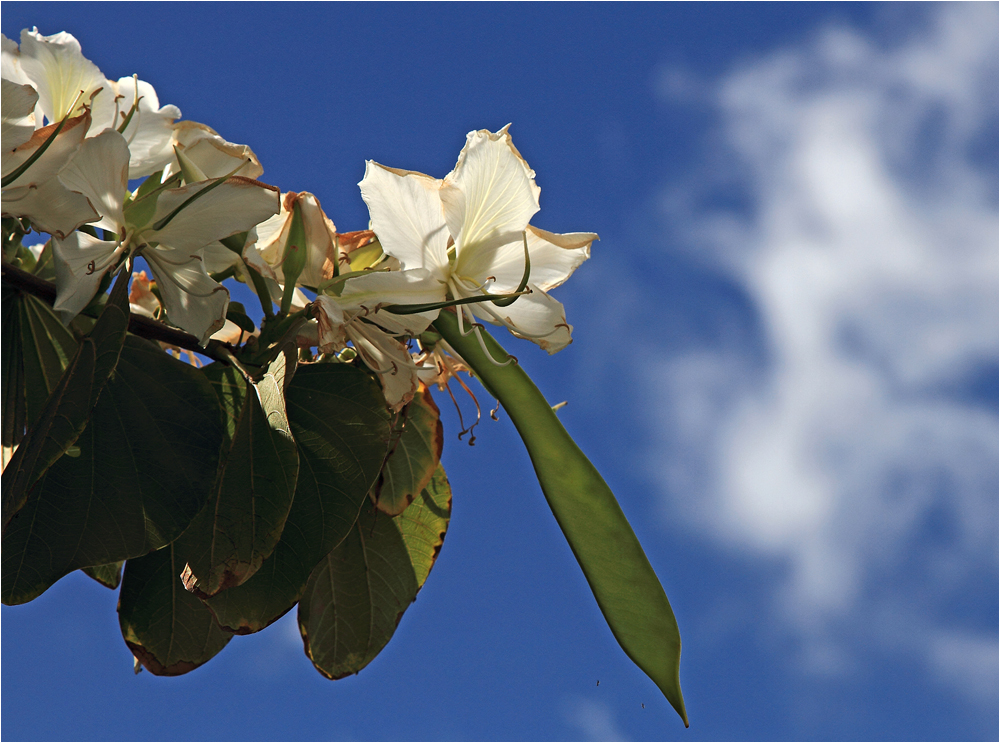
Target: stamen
(507, 323)
(482, 344)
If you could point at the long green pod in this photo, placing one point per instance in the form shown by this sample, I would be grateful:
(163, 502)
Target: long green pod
(626, 588)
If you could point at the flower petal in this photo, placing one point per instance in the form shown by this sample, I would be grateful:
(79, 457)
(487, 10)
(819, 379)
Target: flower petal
(213, 155)
(331, 319)
(490, 192)
(80, 261)
(540, 318)
(192, 299)
(554, 258)
(54, 159)
(235, 206)
(18, 104)
(51, 207)
(388, 358)
(406, 216)
(320, 232)
(150, 131)
(100, 172)
(141, 299)
(10, 63)
(414, 286)
(59, 71)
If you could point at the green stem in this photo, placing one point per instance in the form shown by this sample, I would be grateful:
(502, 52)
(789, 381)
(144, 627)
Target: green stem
(260, 287)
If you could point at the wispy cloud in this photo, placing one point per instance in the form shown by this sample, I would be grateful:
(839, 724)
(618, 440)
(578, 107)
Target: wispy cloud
(593, 720)
(865, 452)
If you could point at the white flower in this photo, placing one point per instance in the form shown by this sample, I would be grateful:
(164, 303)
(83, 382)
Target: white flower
(274, 235)
(36, 192)
(169, 228)
(212, 155)
(469, 231)
(356, 314)
(67, 82)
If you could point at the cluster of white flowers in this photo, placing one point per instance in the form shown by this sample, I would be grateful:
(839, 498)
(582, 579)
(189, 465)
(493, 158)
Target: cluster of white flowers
(72, 141)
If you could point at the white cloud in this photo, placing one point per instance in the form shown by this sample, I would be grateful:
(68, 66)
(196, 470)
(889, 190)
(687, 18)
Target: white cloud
(594, 720)
(871, 255)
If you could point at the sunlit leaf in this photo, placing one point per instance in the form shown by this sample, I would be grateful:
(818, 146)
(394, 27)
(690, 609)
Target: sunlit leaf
(626, 588)
(242, 521)
(358, 593)
(145, 467)
(414, 454)
(168, 629)
(70, 404)
(341, 428)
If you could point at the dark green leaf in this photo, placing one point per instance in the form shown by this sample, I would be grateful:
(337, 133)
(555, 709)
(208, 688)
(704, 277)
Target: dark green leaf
(109, 574)
(238, 315)
(48, 346)
(14, 403)
(357, 595)
(146, 465)
(415, 453)
(243, 520)
(624, 584)
(341, 426)
(70, 405)
(168, 629)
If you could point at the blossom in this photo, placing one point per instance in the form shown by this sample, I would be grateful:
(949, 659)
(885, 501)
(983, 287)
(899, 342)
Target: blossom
(31, 186)
(356, 314)
(471, 231)
(67, 82)
(169, 227)
(212, 155)
(318, 255)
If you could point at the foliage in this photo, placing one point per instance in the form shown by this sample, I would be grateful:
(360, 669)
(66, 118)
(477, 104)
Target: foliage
(302, 466)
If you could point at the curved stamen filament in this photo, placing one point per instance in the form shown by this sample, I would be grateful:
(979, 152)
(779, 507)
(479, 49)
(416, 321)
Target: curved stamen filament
(513, 328)
(159, 257)
(482, 344)
(365, 348)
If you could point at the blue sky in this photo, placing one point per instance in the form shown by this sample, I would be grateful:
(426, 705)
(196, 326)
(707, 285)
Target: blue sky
(785, 365)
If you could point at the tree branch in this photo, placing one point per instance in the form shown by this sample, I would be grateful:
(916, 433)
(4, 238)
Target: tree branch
(144, 327)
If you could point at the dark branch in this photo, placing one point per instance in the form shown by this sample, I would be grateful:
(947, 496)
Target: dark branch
(144, 327)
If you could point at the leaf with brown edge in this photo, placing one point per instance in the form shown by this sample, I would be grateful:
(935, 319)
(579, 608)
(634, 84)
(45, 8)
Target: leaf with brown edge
(108, 575)
(168, 629)
(144, 467)
(414, 456)
(242, 521)
(341, 427)
(358, 593)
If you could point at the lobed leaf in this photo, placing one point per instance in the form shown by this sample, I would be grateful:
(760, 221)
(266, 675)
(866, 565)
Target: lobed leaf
(108, 575)
(70, 404)
(626, 588)
(341, 428)
(243, 519)
(414, 455)
(145, 467)
(358, 593)
(168, 629)
(37, 348)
